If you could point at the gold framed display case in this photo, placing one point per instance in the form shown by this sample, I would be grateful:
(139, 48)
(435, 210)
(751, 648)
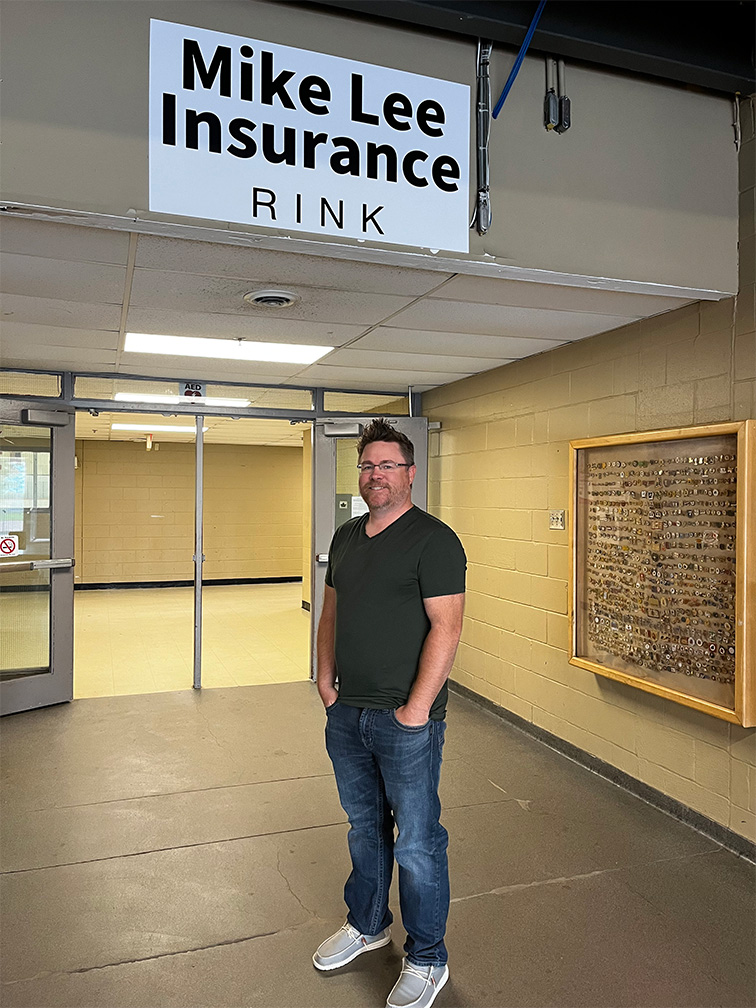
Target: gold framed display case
(663, 580)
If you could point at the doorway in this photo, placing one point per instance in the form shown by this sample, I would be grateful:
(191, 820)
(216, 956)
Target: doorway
(135, 537)
(36, 555)
(271, 490)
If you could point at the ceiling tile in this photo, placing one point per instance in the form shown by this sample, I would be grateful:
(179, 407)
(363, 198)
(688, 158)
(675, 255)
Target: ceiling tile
(255, 326)
(66, 358)
(50, 311)
(373, 378)
(65, 285)
(34, 276)
(519, 293)
(203, 370)
(157, 289)
(277, 268)
(390, 388)
(451, 343)
(410, 362)
(20, 335)
(503, 320)
(63, 241)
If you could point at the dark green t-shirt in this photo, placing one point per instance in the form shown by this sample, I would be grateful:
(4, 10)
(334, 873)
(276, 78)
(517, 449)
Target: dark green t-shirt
(381, 623)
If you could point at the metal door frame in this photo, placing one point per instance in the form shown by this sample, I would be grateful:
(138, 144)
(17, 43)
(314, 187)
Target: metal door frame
(55, 686)
(324, 490)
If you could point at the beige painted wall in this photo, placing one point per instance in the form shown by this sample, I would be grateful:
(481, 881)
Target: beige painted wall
(501, 462)
(135, 512)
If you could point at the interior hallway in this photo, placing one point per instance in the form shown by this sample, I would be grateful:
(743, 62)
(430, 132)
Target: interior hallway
(140, 640)
(188, 849)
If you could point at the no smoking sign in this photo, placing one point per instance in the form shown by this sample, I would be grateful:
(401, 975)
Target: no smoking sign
(8, 545)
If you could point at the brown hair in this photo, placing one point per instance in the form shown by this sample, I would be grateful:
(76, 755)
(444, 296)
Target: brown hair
(381, 430)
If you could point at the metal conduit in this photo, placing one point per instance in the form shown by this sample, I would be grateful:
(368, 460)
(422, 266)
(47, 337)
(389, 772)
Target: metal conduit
(482, 213)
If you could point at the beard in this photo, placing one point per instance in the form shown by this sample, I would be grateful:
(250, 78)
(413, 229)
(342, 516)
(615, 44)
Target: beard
(383, 497)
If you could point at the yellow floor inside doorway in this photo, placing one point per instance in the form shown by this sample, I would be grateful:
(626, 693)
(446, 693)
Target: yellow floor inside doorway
(139, 640)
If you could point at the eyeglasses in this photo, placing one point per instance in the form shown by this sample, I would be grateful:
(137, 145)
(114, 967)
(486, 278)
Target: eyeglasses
(366, 468)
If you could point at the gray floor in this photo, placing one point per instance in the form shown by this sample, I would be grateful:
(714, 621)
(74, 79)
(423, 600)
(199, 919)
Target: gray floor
(185, 849)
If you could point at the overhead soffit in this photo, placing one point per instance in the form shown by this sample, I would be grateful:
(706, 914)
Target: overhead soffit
(69, 293)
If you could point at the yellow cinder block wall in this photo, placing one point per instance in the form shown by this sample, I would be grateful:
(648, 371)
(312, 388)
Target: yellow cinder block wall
(347, 474)
(253, 511)
(500, 463)
(135, 512)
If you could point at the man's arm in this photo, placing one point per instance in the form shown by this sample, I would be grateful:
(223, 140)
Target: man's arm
(326, 652)
(437, 657)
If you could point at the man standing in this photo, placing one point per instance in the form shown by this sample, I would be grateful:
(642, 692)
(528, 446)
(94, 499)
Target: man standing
(391, 622)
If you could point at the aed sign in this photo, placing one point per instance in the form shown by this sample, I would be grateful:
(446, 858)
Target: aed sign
(192, 389)
(251, 132)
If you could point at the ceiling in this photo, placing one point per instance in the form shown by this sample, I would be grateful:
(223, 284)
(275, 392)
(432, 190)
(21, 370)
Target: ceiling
(708, 43)
(70, 293)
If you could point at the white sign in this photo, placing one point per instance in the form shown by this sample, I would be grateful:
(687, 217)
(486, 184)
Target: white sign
(192, 389)
(8, 545)
(359, 507)
(260, 133)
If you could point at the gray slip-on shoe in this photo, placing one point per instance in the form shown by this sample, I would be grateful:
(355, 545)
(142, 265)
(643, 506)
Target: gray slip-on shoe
(345, 945)
(417, 986)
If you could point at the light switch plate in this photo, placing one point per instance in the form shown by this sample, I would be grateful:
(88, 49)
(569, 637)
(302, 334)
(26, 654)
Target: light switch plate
(556, 519)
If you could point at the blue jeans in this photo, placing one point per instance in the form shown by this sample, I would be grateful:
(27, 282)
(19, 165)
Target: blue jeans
(387, 774)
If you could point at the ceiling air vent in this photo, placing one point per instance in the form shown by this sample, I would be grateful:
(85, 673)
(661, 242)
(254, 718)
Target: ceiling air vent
(271, 298)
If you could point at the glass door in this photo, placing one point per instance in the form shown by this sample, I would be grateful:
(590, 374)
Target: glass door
(135, 531)
(335, 493)
(36, 556)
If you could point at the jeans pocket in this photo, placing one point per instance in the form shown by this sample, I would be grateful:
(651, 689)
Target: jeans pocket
(412, 729)
(330, 707)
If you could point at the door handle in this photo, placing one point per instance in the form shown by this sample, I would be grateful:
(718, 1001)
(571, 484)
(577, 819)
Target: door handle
(29, 565)
(321, 557)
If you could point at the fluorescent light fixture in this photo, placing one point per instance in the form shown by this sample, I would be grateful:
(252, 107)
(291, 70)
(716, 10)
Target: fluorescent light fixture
(151, 428)
(223, 349)
(174, 400)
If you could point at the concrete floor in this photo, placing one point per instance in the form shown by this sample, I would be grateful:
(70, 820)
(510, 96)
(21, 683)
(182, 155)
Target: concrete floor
(185, 849)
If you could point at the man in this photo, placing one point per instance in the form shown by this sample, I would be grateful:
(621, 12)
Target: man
(391, 622)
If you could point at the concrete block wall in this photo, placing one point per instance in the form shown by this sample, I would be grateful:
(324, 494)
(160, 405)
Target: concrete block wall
(500, 463)
(135, 512)
(253, 511)
(347, 474)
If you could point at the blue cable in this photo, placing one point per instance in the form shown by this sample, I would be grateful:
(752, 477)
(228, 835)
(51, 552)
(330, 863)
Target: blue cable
(520, 57)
